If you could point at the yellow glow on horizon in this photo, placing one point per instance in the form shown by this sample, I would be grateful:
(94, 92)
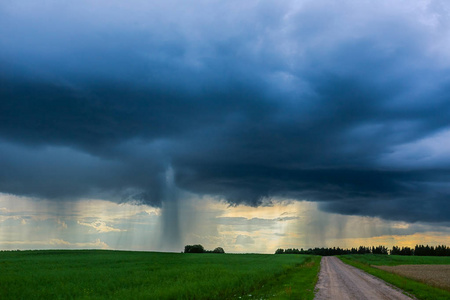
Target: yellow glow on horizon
(426, 238)
(277, 210)
(29, 223)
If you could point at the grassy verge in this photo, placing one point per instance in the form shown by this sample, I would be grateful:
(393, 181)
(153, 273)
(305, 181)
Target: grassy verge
(94, 274)
(418, 289)
(298, 283)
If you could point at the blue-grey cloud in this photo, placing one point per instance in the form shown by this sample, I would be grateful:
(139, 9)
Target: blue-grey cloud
(308, 100)
(244, 240)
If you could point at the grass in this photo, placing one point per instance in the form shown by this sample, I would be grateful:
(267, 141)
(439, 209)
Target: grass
(418, 289)
(97, 274)
(395, 260)
(297, 284)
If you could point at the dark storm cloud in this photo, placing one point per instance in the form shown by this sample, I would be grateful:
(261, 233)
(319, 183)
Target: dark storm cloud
(307, 100)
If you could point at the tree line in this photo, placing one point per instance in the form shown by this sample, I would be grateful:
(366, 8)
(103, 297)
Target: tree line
(419, 250)
(199, 249)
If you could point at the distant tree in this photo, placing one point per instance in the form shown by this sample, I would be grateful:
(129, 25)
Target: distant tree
(219, 250)
(419, 250)
(395, 250)
(292, 251)
(379, 250)
(441, 250)
(401, 251)
(406, 251)
(364, 250)
(194, 249)
(279, 251)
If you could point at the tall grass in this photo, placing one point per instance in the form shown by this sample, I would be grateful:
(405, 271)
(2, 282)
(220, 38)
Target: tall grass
(96, 274)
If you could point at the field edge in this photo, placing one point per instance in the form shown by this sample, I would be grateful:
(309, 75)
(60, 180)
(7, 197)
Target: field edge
(411, 287)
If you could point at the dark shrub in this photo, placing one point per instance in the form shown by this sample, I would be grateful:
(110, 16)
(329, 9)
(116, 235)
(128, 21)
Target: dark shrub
(194, 249)
(219, 250)
(279, 251)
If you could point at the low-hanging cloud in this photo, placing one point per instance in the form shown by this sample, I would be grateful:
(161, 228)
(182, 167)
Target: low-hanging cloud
(308, 100)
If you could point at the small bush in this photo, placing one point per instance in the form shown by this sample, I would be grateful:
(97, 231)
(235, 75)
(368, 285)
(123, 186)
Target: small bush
(219, 250)
(199, 249)
(194, 249)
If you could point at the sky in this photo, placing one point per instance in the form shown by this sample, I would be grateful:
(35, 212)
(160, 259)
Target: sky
(256, 125)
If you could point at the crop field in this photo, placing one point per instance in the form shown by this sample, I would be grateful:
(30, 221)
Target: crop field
(425, 277)
(435, 275)
(97, 274)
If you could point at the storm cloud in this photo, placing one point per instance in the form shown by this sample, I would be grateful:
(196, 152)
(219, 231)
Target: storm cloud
(345, 104)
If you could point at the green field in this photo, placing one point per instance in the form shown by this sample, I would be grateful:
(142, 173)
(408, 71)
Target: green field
(96, 274)
(395, 260)
(418, 289)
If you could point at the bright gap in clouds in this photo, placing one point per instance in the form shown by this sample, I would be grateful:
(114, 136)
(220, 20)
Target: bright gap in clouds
(96, 224)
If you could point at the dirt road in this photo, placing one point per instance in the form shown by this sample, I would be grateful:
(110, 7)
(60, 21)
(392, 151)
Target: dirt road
(339, 281)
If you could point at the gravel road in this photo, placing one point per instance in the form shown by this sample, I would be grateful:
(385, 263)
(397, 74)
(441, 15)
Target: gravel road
(339, 281)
